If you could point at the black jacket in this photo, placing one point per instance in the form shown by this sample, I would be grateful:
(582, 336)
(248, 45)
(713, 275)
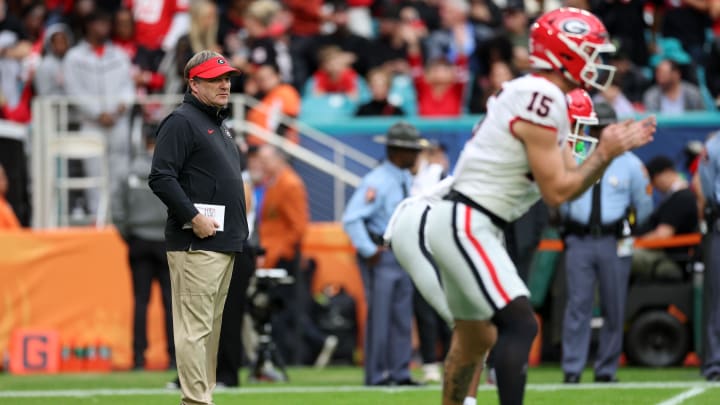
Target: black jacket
(196, 161)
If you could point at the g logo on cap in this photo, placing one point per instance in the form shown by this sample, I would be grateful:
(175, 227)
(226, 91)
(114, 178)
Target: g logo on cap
(221, 61)
(575, 26)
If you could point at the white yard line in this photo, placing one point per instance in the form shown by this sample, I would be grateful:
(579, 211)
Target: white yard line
(695, 388)
(681, 397)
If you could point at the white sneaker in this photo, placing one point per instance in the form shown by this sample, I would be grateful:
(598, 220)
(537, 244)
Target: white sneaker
(327, 351)
(431, 373)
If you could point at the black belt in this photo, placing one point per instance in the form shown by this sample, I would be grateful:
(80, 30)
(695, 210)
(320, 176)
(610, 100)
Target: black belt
(578, 229)
(462, 198)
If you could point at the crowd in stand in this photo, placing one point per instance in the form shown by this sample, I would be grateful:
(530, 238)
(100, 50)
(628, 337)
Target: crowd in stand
(364, 57)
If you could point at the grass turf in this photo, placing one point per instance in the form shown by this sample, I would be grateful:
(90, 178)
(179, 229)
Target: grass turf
(341, 386)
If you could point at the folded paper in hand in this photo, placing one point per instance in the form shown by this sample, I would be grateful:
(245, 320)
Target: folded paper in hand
(216, 212)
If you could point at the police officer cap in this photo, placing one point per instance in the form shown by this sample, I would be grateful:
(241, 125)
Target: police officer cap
(605, 114)
(403, 135)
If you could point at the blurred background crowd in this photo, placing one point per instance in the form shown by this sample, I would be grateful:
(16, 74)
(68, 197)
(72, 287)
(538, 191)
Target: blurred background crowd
(382, 57)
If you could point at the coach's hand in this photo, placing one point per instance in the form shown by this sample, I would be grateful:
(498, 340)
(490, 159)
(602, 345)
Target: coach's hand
(204, 226)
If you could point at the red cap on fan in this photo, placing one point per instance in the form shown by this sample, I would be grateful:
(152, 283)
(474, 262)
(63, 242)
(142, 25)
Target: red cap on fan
(212, 68)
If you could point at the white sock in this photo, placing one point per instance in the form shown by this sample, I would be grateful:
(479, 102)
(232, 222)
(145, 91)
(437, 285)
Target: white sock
(470, 401)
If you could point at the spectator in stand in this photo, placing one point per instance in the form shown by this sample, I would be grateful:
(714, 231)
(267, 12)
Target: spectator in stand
(100, 74)
(440, 88)
(278, 99)
(516, 28)
(266, 25)
(342, 37)
(459, 39)
(685, 20)
(202, 34)
(359, 18)
(390, 50)
(307, 15)
(677, 214)
(75, 18)
(14, 48)
(146, 79)
(49, 79)
(8, 219)
(158, 26)
(379, 81)
(671, 94)
(484, 12)
(336, 74)
(282, 222)
(500, 72)
(33, 21)
(231, 23)
(629, 77)
(625, 21)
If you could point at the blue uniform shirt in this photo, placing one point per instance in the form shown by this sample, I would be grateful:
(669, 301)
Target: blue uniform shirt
(372, 205)
(623, 184)
(710, 170)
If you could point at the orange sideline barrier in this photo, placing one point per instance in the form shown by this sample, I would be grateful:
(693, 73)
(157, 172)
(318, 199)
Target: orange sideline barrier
(75, 281)
(78, 282)
(336, 264)
(689, 239)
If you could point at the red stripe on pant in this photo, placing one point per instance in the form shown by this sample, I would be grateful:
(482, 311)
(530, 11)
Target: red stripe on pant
(484, 257)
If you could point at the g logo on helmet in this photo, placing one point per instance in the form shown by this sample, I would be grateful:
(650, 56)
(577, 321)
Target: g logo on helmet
(575, 26)
(221, 61)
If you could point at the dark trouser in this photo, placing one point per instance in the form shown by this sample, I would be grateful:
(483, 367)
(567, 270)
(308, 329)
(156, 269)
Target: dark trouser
(230, 350)
(388, 341)
(711, 363)
(428, 327)
(588, 260)
(285, 320)
(148, 262)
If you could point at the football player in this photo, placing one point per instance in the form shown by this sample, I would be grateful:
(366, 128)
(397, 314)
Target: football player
(517, 155)
(406, 229)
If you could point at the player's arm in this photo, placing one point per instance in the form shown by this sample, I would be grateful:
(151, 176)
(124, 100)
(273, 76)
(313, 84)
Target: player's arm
(559, 182)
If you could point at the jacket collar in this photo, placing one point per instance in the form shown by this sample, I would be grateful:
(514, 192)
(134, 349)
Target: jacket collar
(218, 115)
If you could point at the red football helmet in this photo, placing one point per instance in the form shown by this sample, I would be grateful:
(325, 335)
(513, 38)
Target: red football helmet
(572, 41)
(581, 113)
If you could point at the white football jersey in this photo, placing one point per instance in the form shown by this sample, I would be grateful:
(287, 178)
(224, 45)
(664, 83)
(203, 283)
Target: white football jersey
(493, 168)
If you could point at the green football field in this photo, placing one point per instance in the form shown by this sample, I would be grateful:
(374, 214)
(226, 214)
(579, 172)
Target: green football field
(342, 386)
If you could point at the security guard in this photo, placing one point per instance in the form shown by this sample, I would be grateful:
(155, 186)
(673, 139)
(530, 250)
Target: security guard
(710, 180)
(598, 248)
(388, 289)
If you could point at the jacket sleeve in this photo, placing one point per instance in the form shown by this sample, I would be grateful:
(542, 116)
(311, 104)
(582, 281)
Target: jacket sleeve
(174, 145)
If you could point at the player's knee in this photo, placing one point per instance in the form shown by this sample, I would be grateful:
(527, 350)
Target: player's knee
(517, 319)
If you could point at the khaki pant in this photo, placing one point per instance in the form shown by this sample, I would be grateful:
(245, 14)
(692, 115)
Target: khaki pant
(199, 280)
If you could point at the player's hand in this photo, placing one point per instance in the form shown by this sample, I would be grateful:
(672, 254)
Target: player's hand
(619, 138)
(203, 226)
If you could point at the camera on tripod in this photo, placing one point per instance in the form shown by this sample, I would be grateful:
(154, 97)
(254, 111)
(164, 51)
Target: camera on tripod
(269, 365)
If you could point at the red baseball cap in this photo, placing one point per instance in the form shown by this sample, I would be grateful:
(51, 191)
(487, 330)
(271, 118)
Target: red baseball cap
(212, 68)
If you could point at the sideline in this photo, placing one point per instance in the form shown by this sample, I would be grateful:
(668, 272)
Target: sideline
(680, 398)
(694, 388)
